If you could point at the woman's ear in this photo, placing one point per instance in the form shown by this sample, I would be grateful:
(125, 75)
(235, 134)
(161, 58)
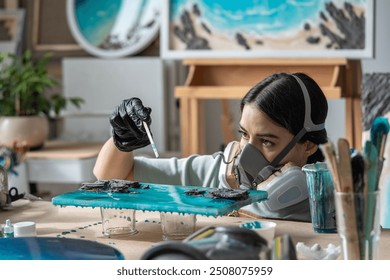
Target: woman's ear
(310, 148)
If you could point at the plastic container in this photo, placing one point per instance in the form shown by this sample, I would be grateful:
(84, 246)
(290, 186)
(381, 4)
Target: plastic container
(25, 229)
(177, 226)
(118, 222)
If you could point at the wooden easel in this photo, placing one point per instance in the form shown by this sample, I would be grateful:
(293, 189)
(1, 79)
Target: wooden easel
(225, 79)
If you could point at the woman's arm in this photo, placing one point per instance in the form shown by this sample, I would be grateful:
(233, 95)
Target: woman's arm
(113, 164)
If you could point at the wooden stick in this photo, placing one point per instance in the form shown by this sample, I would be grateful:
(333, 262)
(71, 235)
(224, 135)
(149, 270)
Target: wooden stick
(350, 211)
(344, 166)
(330, 156)
(346, 225)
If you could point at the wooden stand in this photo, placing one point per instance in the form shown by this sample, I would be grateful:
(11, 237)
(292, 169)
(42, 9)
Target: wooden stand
(225, 79)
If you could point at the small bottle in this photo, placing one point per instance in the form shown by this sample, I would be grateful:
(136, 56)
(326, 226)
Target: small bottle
(8, 229)
(1, 231)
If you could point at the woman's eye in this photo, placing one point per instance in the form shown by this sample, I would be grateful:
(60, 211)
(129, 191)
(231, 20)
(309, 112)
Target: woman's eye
(266, 143)
(243, 134)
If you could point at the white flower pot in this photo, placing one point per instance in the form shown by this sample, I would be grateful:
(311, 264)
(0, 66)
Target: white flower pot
(30, 130)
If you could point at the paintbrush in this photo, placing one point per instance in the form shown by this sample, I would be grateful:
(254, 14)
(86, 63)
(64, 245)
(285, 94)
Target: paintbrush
(359, 182)
(151, 139)
(358, 171)
(374, 158)
(371, 161)
(378, 133)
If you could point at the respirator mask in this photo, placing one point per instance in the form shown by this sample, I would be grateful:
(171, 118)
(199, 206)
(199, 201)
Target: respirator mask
(249, 167)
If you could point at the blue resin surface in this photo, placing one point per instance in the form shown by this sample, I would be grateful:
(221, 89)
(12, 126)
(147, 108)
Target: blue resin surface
(52, 248)
(161, 198)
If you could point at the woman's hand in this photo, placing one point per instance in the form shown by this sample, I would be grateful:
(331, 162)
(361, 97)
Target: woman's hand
(127, 125)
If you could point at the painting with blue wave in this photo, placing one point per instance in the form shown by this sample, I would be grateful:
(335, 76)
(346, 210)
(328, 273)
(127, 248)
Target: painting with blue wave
(96, 18)
(115, 24)
(251, 24)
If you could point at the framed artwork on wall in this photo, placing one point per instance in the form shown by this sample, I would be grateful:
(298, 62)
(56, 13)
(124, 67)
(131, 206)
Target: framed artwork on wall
(266, 29)
(115, 28)
(11, 30)
(49, 30)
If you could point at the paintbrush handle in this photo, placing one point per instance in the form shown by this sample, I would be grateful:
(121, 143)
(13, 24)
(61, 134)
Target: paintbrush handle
(347, 226)
(380, 167)
(344, 166)
(370, 224)
(154, 148)
(331, 160)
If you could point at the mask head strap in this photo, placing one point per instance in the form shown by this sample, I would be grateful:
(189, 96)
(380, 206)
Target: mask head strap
(308, 126)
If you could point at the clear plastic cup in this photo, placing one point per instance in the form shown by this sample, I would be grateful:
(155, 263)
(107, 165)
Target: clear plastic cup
(177, 226)
(358, 224)
(118, 222)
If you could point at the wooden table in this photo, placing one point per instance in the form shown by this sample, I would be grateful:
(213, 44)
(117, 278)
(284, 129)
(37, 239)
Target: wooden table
(226, 79)
(76, 222)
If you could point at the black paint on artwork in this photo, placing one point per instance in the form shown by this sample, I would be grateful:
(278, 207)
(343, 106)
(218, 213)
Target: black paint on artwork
(187, 34)
(234, 194)
(242, 41)
(350, 25)
(350, 33)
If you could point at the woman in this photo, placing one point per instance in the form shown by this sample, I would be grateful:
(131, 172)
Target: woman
(281, 126)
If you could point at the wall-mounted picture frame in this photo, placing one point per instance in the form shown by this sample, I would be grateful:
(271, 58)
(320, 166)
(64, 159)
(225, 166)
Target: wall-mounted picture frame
(116, 28)
(11, 22)
(49, 28)
(267, 29)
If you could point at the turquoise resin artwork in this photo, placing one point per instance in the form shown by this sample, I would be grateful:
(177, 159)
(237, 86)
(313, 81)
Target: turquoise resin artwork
(161, 198)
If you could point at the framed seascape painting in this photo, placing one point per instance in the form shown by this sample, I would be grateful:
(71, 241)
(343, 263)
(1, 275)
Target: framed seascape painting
(267, 28)
(115, 28)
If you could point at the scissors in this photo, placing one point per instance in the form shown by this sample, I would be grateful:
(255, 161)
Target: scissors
(14, 194)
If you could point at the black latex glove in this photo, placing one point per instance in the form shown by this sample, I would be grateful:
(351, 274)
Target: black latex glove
(128, 130)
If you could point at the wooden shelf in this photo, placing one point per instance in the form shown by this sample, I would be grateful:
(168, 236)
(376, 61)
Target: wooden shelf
(233, 92)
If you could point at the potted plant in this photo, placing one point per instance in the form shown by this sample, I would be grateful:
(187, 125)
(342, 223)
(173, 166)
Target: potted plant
(26, 103)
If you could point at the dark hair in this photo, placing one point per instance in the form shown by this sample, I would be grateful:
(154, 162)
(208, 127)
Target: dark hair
(280, 97)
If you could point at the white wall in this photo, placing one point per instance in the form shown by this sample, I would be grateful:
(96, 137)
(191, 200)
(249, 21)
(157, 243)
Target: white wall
(104, 83)
(381, 61)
